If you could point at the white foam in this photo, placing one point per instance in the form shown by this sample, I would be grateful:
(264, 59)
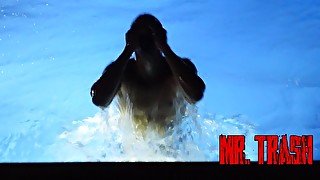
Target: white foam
(107, 136)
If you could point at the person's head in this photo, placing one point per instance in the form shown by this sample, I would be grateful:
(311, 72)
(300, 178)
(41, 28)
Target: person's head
(143, 26)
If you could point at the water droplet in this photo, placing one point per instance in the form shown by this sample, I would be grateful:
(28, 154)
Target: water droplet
(297, 82)
(51, 58)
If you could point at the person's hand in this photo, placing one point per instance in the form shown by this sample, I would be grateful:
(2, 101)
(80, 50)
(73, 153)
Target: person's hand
(131, 39)
(160, 37)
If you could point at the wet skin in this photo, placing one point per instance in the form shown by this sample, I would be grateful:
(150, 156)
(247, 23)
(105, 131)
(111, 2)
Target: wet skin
(152, 80)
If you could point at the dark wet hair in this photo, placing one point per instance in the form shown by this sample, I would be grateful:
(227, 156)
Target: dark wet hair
(143, 26)
(146, 20)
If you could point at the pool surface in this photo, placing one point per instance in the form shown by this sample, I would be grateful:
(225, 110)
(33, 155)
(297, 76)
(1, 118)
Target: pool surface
(260, 62)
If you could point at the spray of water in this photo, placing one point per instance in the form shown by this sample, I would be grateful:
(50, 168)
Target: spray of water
(111, 136)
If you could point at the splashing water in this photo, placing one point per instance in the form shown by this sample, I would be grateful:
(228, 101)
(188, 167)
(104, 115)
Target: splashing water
(108, 136)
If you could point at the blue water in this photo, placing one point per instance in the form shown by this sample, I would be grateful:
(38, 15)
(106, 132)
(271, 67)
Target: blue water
(259, 60)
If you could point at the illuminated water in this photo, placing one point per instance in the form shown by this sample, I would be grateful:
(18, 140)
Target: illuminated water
(260, 63)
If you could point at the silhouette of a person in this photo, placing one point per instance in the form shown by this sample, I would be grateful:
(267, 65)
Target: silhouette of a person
(152, 80)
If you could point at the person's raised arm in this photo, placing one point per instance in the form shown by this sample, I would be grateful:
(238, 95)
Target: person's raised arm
(183, 69)
(107, 86)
